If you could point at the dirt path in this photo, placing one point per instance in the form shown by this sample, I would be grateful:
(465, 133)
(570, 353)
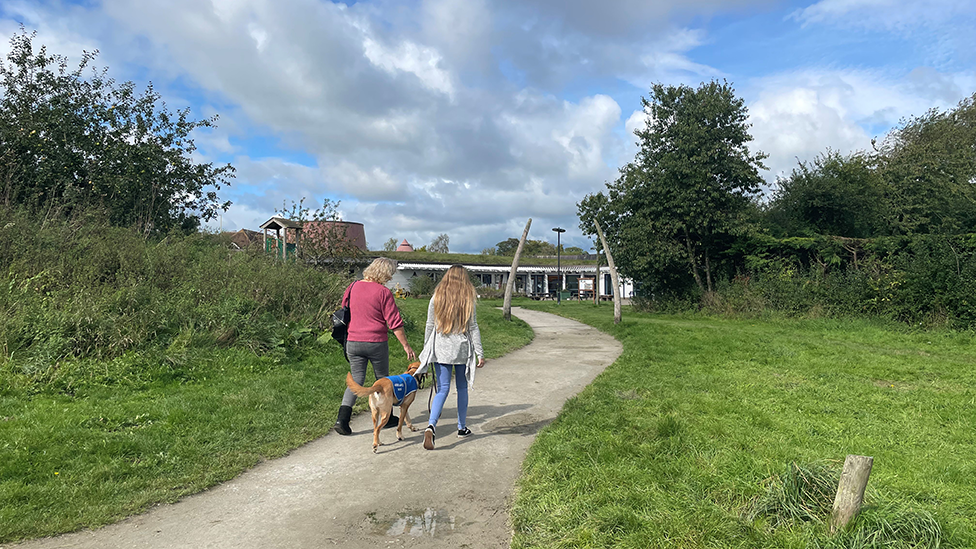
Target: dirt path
(335, 491)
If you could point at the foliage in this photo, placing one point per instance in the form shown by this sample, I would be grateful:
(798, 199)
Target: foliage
(929, 169)
(390, 245)
(680, 204)
(489, 251)
(923, 279)
(439, 245)
(82, 290)
(73, 142)
(422, 285)
(532, 248)
(835, 195)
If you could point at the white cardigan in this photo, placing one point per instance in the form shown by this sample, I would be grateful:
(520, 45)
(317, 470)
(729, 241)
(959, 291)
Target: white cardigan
(450, 344)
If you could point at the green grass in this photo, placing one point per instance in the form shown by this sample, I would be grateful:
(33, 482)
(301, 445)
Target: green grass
(700, 418)
(153, 426)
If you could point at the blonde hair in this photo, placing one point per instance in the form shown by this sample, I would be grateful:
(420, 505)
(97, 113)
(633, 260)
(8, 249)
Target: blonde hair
(453, 301)
(380, 270)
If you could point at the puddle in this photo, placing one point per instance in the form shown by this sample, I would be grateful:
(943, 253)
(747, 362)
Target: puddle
(427, 523)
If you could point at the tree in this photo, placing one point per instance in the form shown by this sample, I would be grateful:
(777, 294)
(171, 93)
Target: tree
(928, 167)
(489, 251)
(532, 247)
(70, 142)
(677, 207)
(390, 245)
(324, 241)
(834, 195)
(439, 245)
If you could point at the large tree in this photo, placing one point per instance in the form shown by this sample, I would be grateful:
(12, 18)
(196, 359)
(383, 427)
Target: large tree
(928, 166)
(676, 208)
(76, 139)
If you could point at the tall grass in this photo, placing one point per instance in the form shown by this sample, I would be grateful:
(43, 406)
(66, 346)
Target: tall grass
(81, 290)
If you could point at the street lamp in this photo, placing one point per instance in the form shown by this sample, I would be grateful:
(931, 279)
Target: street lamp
(559, 273)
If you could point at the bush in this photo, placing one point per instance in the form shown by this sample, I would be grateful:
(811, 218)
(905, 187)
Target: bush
(422, 285)
(79, 290)
(921, 280)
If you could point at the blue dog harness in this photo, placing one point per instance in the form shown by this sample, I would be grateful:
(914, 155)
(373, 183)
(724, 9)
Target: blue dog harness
(403, 385)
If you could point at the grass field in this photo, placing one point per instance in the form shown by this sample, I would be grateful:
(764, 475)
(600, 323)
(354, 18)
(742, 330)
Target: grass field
(714, 433)
(151, 427)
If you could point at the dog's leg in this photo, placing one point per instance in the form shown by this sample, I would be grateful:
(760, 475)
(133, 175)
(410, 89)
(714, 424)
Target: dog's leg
(378, 426)
(375, 408)
(404, 416)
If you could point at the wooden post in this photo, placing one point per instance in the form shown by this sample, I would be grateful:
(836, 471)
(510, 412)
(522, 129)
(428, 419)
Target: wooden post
(507, 304)
(850, 491)
(613, 274)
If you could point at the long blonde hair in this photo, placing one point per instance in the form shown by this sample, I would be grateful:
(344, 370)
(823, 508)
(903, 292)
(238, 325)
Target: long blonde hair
(453, 301)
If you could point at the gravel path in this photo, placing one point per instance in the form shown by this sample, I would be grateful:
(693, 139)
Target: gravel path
(335, 491)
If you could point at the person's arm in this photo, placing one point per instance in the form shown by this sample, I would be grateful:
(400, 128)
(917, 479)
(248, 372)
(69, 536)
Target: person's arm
(401, 335)
(474, 333)
(395, 322)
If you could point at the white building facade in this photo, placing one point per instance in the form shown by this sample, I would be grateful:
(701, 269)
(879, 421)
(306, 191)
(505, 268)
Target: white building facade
(531, 280)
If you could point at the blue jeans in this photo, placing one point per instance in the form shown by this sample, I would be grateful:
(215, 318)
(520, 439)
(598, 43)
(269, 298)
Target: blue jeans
(443, 373)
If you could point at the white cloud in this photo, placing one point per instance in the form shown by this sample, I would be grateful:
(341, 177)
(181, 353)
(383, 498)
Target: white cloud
(798, 115)
(423, 62)
(890, 14)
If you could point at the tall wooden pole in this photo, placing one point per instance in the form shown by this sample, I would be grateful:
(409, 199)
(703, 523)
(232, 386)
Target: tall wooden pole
(507, 305)
(613, 274)
(596, 281)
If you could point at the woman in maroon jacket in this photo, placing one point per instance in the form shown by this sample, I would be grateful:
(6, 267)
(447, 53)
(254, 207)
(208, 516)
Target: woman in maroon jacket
(372, 313)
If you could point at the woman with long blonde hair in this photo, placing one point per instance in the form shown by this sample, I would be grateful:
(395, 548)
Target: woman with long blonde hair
(452, 343)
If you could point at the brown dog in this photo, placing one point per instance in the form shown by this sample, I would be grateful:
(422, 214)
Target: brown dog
(382, 400)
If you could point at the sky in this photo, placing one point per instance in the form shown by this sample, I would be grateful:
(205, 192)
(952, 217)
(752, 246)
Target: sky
(468, 117)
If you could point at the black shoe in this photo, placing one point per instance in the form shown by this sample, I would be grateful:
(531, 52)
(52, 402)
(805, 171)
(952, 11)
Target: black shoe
(392, 422)
(342, 423)
(429, 437)
(464, 432)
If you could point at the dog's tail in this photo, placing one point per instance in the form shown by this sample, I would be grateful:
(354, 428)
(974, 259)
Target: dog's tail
(359, 389)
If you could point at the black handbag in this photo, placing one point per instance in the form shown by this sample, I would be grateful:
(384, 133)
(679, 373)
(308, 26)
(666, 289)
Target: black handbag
(340, 323)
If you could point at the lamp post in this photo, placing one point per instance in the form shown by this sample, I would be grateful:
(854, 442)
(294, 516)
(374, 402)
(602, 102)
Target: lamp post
(559, 273)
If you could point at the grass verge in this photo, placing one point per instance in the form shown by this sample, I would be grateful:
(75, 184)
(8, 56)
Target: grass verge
(676, 442)
(152, 427)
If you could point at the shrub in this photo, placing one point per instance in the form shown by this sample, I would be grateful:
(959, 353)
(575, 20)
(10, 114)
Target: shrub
(80, 290)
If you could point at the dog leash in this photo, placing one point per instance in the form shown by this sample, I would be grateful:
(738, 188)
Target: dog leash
(433, 384)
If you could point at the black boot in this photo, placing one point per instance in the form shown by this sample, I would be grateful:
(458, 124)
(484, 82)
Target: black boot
(342, 423)
(392, 422)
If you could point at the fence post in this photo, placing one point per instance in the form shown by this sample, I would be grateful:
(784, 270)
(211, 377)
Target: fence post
(850, 491)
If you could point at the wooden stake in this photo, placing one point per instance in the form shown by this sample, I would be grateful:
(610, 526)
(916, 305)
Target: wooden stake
(850, 491)
(507, 304)
(613, 274)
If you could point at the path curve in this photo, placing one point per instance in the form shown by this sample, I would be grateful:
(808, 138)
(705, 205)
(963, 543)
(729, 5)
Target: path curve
(335, 492)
